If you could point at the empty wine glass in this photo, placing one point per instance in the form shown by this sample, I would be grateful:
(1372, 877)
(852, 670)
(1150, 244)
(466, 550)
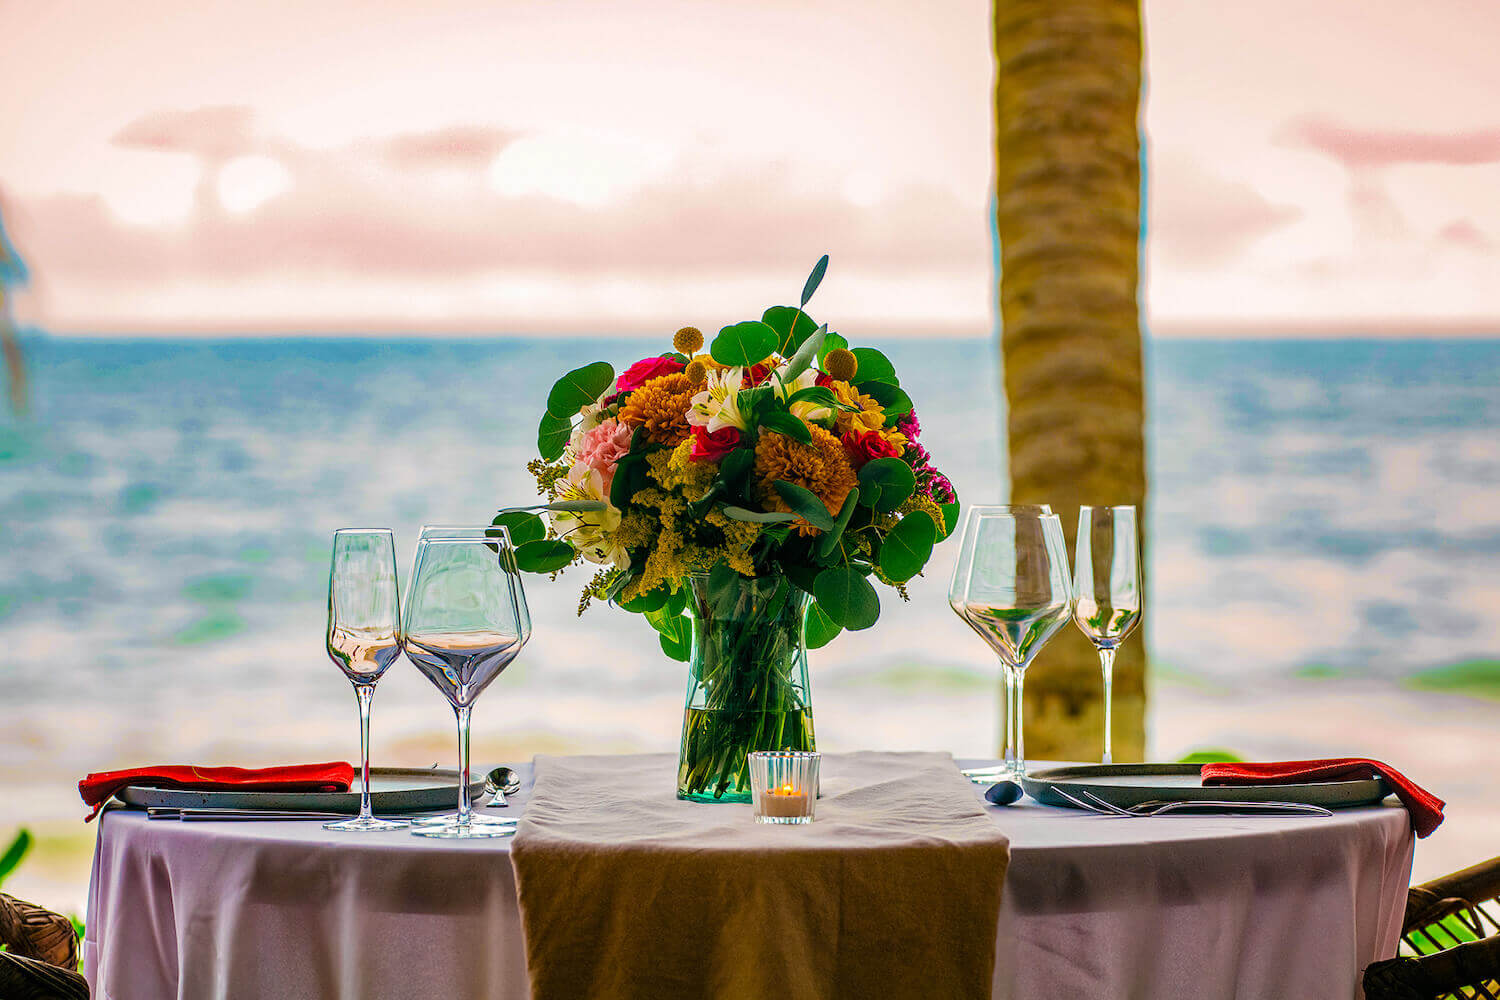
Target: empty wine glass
(956, 587)
(1016, 594)
(364, 627)
(465, 621)
(1107, 589)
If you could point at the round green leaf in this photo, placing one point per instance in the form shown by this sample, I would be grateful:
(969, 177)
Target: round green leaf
(831, 342)
(907, 547)
(847, 597)
(821, 629)
(675, 633)
(578, 388)
(873, 367)
(950, 517)
(552, 436)
(792, 327)
(743, 344)
(523, 527)
(784, 423)
(885, 483)
(546, 556)
(892, 399)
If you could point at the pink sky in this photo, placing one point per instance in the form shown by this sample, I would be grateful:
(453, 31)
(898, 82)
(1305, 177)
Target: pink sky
(599, 167)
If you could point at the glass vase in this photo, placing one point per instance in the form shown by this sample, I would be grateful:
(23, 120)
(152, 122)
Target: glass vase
(747, 682)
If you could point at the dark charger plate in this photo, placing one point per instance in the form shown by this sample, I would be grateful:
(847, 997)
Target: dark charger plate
(392, 790)
(1127, 785)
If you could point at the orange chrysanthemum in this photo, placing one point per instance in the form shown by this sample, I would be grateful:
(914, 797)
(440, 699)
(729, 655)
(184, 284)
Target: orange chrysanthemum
(821, 467)
(661, 406)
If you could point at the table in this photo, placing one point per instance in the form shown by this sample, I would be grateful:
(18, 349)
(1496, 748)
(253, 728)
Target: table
(1200, 907)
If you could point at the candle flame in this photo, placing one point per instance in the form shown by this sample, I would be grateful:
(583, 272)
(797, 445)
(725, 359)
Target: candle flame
(787, 789)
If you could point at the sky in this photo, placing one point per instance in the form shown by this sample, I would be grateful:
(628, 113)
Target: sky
(542, 166)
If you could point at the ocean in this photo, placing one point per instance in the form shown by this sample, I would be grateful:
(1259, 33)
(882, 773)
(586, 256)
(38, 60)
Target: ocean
(1321, 511)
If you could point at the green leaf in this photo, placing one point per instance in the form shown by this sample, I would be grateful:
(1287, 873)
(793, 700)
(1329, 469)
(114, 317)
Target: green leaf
(820, 629)
(847, 597)
(547, 556)
(785, 423)
(830, 539)
(677, 600)
(873, 367)
(578, 388)
(892, 399)
(803, 359)
(676, 637)
(649, 603)
(815, 279)
(758, 516)
(885, 483)
(792, 326)
(821, 395)
(950, 517)
(831, 342)
(523, 527)
(735, 467)
(801, 575)
(744, 344)
(552, 436)
(907, 547)
(630, 473)
(15, 852)
(806, 503)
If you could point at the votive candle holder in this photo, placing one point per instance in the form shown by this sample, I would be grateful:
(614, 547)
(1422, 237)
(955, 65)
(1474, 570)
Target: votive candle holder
(783, 785)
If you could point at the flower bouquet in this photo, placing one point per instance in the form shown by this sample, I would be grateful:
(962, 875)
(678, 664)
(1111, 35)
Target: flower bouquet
(741, 499)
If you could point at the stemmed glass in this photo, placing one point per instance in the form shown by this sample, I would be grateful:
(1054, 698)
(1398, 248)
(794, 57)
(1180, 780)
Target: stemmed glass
(1016, 594)
(465, 621)
(1107, 587)
(364, 622)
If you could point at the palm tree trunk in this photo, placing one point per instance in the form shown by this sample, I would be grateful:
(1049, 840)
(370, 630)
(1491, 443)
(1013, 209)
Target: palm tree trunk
(1067, 172)
(15, 364)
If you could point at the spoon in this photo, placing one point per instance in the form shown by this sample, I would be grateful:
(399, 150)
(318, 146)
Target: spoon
(500, 782)
(1003, 793)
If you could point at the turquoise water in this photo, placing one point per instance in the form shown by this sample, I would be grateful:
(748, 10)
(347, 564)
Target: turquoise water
(165, 515)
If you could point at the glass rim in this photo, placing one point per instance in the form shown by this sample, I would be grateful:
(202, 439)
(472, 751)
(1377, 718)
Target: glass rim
(501, 533)
(364, 531)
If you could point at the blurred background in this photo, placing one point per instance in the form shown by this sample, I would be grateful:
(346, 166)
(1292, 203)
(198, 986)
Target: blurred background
(282, 268)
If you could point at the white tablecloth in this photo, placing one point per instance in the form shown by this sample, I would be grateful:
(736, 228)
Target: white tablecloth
(1203, 907)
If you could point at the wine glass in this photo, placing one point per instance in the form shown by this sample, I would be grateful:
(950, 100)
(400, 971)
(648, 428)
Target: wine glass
(956, 587)
(1107, 587)
(1016, 595)
(364, 637)
(465, 621)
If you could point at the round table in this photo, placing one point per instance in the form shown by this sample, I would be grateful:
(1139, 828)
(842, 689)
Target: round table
(1200, 907)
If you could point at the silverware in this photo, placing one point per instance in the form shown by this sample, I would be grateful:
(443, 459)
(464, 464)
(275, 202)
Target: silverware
(500, 782)
(227, 814)
(1090, 802)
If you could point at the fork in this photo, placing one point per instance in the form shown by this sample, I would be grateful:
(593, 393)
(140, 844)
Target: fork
(1090, 802)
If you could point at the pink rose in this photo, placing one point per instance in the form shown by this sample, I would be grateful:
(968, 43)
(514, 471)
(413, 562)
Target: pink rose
(601, 449)
(644, 371)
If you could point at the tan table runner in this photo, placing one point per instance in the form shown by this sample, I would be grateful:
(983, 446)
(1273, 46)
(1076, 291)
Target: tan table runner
(892, 892)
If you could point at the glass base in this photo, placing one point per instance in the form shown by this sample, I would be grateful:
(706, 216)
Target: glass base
(708, 796)
(783, 820)
(367, 824)
(475, 818)
(447, 827)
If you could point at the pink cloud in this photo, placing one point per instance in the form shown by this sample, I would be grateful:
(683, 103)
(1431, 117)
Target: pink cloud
(1464, 234)
(470, 146)
(1202, 220)
(1355, 148)
(214, 132)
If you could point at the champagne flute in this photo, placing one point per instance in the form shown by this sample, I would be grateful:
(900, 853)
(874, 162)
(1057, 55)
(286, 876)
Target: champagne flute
(956, 587)
(465, 621)
(1107, 585)
(364, 622)
(1016, 595)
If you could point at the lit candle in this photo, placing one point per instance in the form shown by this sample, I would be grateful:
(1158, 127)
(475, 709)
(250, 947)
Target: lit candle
(784, 801)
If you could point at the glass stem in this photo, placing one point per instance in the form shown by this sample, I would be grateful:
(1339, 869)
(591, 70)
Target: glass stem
(1019, 765)
(465, 812)
(1007, 720)
(364, 693)
(1107, 664)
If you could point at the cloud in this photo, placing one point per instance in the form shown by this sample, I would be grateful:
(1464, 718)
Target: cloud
(215, 132)
(1462, 233)
(1202, 220)
(1358, 148)
(466, 146)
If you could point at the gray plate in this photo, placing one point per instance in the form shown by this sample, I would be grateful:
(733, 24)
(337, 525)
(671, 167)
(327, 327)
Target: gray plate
(1131, 784)
(392, 790)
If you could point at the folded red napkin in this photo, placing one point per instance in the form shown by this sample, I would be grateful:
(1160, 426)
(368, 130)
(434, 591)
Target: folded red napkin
(1425, 808)
(335, 776)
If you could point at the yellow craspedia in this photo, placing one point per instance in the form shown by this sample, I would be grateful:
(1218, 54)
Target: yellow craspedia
(688, 340)
(696, 371)
(841, 364)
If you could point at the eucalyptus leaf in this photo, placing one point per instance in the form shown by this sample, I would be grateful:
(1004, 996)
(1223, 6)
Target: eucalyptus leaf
(907, 547)
(847, 597)
(892, 399)
(552, 436)
(873, 367)
(815, 279)
(830, 540)
(546, 556)
(15, 852)
(950, 517)
(820, 629)
(677, 638)
(803, 359)
(646, 604)
(885, 483)
(818, 394)
(784, 423)
(578, 388)
(804, 502)
(792, 326)
(758, 516)
(523, 527)
(744, 344)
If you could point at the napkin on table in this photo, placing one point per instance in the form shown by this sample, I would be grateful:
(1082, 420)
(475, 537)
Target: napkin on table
(335, 776)
(1425, 808)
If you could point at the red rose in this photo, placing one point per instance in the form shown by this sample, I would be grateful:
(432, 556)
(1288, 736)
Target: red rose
(824, 379)
(712, 447)
(863, 446)
(756, 374)
(644, 371)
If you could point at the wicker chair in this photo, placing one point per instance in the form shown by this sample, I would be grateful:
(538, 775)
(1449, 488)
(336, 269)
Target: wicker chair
(41, 959)
(1450, 941)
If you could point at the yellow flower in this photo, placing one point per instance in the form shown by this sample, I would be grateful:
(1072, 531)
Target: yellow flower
(660, 406)
(841, 364)
(688, 339)
(871, 417)
(821, 467)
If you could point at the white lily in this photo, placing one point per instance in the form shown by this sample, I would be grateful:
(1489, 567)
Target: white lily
(718, 406)
(591, 532)
(810, 412)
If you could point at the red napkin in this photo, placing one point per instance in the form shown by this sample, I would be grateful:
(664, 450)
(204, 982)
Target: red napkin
(335, 776)
(1425, 808)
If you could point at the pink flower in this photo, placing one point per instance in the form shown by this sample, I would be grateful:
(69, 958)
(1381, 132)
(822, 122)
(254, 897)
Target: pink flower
(712, 447)
(863, 446)
(601, 449)
(644, 371)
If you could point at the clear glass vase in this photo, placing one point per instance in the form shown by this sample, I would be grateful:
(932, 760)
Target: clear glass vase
(747, 682)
